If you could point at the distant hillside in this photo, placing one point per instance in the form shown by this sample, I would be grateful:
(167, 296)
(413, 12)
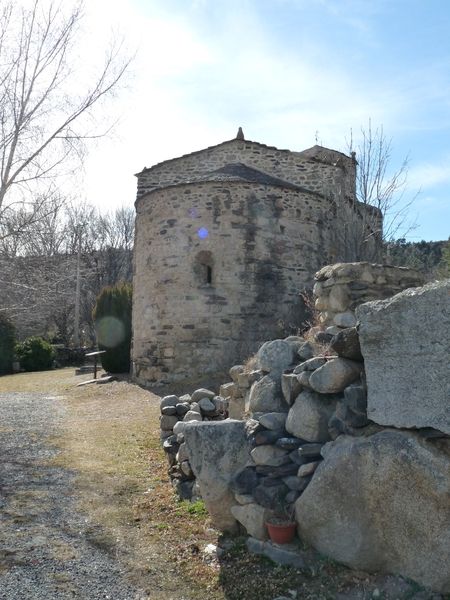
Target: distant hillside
(427, 257)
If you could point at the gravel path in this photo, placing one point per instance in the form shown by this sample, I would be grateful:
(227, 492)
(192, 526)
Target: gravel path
(47, 549)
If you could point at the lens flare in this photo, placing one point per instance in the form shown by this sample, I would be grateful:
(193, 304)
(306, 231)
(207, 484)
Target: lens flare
(110, 332)
(202, 233)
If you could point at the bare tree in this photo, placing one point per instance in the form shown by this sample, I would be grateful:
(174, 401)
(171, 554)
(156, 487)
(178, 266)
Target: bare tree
(44, 116)
(382, 213)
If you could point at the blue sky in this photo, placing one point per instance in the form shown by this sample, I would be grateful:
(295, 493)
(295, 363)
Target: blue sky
(290, 72)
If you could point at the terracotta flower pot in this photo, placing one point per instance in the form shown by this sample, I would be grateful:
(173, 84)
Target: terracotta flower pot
(281, 533)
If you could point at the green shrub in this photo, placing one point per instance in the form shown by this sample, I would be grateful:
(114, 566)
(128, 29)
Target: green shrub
(7, 343)
(112, 318)
(35, 354)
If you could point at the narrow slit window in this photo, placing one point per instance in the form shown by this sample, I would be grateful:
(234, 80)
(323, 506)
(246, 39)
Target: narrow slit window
(208, 274)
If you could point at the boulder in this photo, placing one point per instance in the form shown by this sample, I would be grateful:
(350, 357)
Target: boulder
(192, 415)
(268, 436)
(308, 417)
(217, 451)
(168, 401)
(244, 481)
(275, 356)
(273, 420)
(246, 379)
(269, 455)
(346, 344)
(290, 387)
(265, 396)
(202, 393)
(382, 504)
(345, 319)
(167, 422)
(206, 405)
(169, 410)
(229, 390)
(236, 408)
(235, 372)
(335, 375)
(405, 341)
(253, 517)
(311, 364)
(306, 351)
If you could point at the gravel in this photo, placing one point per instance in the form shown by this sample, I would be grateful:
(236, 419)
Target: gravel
(48, 550)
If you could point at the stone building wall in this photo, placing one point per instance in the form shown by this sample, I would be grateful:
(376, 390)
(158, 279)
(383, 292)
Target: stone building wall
(261, 244)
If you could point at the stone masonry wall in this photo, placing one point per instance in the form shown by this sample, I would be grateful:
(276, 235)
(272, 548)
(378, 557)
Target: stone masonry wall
(261, 243)
(296, 167)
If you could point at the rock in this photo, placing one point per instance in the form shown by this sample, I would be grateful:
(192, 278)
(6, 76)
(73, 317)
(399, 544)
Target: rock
(202, 393)
(183, 488)
(192, 415)
(253, 517)
(270, 496)
(288, 556)
(405, 341)
(311, 364)
(345, 319)
(265, 396)
(245, 380)
(236, 408)
(217, 451)
(335, 375)
(308, 469)
(244, 498)
(288, 443)
(235, 372)
(269, 455)
(381, 504)
(292, 496)
(333, 330)
(268, 437)
(167, 422)
(244, 481)
(356, 398)
(185, 398)
(168, 401)
(310, 450)
(306, 351)
(207, 406)
(308, 417)
(186, 469)
(275, 356)
(346, 344)
(291, 387)
(251, 427)
(229, 390)
(274, 420)
(182, 408)
(182, 453)
(303, 379)
(322, 337)
(168, 410)
(289, 468)
(293, 482)
(349, 417)
(178, 428)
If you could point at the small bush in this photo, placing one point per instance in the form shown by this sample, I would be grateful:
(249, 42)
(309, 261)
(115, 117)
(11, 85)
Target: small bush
(35, 354)
(7, 343)
(112, 318)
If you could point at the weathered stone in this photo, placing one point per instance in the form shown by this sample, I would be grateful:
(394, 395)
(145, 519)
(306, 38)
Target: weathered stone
(182, 408)
(185, 398)
(245, 380)
(269, 455)
(202, 393)
(183, 488)
(339, 298)
(303, 379)
(182, 453)
(308, 469)
(412, 332)
(345, 319)
(186, 469)
(409, 478)
(168, 410)
(306, 351)
(311, 364)
(292, 496)
(275, 356)
(286, 556)
(244, 481)
(308, 417)
(206, 405)
(253, 517)
(346, 344)
(229, 390)
(251, 427)
(270, 496)
(356, 398)
(335, 375)
(310, 449)
(192, 415)
(288, 443)
(274, 420)
(167, 422)
(265, 396)
(168, 401)
(244, 498)
(236, 408)
(293, 483)
(350, 418)
(289, 468)
(178, 428)
(290, 386)
(235, 372)
(322, 337)
(217, 451)
(268, 437)
(333, 330)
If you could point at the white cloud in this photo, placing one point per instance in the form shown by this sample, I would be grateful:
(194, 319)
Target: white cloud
(428, 175)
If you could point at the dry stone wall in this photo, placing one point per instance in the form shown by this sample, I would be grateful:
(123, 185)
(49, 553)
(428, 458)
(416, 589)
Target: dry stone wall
(307, 445)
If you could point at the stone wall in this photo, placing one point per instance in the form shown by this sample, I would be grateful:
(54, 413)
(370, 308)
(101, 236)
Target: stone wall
(372, 494)
(340, 288)
(261, 244)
